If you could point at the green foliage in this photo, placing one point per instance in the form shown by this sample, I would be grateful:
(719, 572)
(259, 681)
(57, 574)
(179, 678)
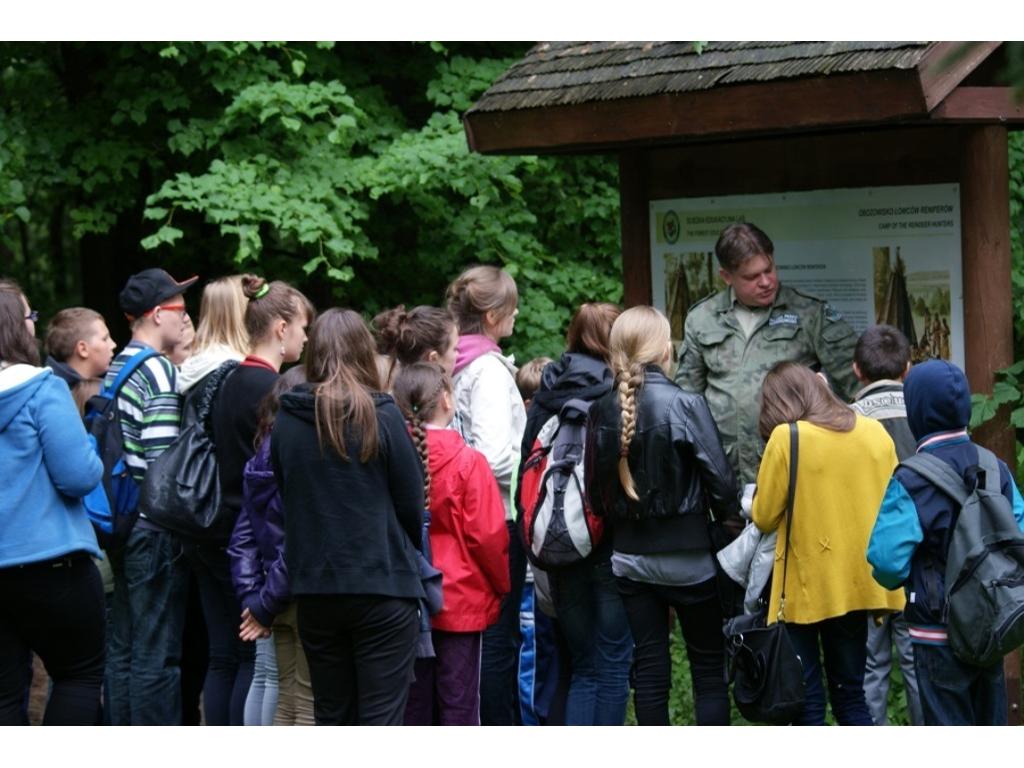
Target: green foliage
(343, 169)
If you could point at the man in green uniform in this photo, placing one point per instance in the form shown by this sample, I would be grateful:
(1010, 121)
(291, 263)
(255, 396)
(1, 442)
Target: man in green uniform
(734, 337)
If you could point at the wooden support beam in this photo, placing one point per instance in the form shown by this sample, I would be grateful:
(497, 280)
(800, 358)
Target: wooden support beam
(988, 304)
(634, 209)
(980, 105)
(947, 64)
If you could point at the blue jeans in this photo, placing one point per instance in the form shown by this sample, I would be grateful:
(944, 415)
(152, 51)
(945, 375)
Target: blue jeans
(843, 641)
(596, 627)
(147, 617)
(954, 693)
(499, 660)
(261, 703)
(231, 660)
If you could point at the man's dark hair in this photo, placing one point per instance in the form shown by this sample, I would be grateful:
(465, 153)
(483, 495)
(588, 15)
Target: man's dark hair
(739, 242)
(882, 352)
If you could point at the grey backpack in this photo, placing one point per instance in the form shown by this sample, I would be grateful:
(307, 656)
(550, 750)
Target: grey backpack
(984, 563)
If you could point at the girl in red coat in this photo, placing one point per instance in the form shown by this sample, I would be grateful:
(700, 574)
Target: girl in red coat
(469, 541)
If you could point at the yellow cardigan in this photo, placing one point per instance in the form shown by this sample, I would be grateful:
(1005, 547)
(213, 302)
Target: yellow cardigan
(841, 478)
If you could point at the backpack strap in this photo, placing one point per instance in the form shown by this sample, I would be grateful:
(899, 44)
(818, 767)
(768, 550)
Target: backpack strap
(794, 453)
(939, 473)
(574, 410)
(131, 365)
(990, 466)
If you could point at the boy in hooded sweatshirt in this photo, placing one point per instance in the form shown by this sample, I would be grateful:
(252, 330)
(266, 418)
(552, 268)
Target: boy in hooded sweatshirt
(910, 542)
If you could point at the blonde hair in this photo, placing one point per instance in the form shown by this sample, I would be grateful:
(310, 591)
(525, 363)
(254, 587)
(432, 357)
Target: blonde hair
(529, 376)
(640, 336)
(222, 316)
(480, 290)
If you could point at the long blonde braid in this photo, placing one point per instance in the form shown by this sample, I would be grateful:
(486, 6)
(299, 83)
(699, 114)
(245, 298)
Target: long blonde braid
(640, 336)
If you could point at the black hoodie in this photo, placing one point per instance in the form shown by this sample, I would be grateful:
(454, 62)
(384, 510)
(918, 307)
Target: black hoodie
(350, 527)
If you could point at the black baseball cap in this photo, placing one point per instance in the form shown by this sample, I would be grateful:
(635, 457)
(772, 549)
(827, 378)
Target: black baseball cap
(146, 289)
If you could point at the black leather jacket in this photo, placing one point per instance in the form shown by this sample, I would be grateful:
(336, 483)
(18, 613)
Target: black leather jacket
(678, 466)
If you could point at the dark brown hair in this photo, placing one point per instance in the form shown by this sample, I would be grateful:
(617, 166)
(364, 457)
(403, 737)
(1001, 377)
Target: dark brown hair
(340, 362)
(477, 291)
(280, 301)
(882, 352)
(590, 327)
(793, 392)
(417, 392)
(408, 337)
(271, 402)
(739, 242)
(16, 344)
(66, 329)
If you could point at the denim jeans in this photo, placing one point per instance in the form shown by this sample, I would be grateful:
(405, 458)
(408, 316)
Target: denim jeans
(954, 693)
(881, 637)
(261, 703)
(700, 617)
(596, 627)
(230, 668)
(499, 663)
(54, 608)
(148, 614)
(843, 641)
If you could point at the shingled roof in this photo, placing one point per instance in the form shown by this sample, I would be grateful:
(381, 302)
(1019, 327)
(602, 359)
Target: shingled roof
(554, 74)
(573, 96)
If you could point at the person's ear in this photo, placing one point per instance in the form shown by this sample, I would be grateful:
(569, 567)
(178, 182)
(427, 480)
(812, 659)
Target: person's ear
(856, 371)
(726, 276)
(433, 356)
(82, 349)
(280, 328)
(906, 370)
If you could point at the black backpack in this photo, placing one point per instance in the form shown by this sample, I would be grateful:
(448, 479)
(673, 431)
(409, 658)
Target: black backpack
(112, 506)
(984, 564)
(181, 491)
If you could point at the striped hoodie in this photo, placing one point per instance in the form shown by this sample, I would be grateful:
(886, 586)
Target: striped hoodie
(149, 406)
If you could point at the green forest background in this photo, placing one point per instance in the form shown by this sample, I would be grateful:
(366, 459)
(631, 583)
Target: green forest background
(341, 168)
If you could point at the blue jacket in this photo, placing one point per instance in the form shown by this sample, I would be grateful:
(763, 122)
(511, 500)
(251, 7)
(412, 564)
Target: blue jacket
(911, 536)
(256, 550)
(48, 466)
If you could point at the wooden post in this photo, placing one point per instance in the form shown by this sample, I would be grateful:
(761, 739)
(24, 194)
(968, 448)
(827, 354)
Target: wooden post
(988, 304)
(634, 209)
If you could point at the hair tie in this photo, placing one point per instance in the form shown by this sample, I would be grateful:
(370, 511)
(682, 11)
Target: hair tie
(624, 452)
(415, 409)
(261, 292)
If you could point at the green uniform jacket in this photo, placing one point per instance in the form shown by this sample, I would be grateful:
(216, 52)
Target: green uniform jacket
(718, 361)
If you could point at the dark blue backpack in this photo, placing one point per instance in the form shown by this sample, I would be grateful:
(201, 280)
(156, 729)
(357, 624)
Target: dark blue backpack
(112, 505)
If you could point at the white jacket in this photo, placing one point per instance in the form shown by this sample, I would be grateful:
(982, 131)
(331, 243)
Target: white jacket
(489, 414)
(749, 561)
(196, 368)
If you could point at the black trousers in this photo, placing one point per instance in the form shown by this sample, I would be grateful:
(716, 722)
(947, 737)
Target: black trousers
(360, 650)
(700, 618)
(56, 609)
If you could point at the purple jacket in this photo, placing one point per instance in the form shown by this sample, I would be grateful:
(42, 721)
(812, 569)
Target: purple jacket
(256, 550)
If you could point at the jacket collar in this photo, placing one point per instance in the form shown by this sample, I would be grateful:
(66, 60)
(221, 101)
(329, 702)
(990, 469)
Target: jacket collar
(878, 386)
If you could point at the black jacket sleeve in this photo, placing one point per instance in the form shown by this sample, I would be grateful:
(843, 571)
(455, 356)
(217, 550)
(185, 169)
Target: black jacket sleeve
(716, 473)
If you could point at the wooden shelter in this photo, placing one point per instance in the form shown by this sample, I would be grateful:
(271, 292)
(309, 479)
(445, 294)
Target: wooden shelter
(767, 117)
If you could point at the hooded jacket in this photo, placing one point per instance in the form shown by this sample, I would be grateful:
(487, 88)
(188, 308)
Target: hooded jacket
(256, 549)
(489, 412)
(203, 363)
(48, 467)
(911, 535)
(468, 535)
(350, 527)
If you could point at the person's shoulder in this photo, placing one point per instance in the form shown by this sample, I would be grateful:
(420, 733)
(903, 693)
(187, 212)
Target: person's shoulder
(706, 310)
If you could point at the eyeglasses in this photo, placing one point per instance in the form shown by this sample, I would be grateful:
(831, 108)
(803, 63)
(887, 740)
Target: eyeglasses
(33, 315)
(169, 308)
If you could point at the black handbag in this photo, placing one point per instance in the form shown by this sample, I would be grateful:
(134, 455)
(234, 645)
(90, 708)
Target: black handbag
(433, 602)
(765, 671)
(181, 490)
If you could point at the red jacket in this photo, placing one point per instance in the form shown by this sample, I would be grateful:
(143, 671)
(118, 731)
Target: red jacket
(468, 536)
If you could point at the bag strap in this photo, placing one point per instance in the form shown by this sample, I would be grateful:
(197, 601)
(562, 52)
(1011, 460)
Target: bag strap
(940, 474)
(794, 452)
(131, 365)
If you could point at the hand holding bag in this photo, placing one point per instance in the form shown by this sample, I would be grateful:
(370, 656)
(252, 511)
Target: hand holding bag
(762, 665)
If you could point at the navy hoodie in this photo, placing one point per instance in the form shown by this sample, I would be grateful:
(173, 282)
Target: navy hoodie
(910, 539)
(350, 527)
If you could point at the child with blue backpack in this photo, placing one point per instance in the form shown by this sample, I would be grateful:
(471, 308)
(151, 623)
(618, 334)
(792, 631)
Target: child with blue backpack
(911, 540)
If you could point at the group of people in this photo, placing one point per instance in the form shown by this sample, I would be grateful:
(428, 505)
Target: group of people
(393, 450)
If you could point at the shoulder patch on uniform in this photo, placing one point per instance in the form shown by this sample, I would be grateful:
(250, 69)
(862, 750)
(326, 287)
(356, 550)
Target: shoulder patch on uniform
(832, 314)
(786, 318)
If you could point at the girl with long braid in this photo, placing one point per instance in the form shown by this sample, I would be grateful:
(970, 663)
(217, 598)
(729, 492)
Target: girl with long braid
(469, 542)
(654, 463)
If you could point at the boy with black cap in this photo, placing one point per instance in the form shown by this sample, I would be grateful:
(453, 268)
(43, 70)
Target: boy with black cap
(150, 576)
(910, 543)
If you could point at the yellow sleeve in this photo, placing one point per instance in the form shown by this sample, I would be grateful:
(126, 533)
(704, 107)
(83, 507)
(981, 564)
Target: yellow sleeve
(769, 506)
